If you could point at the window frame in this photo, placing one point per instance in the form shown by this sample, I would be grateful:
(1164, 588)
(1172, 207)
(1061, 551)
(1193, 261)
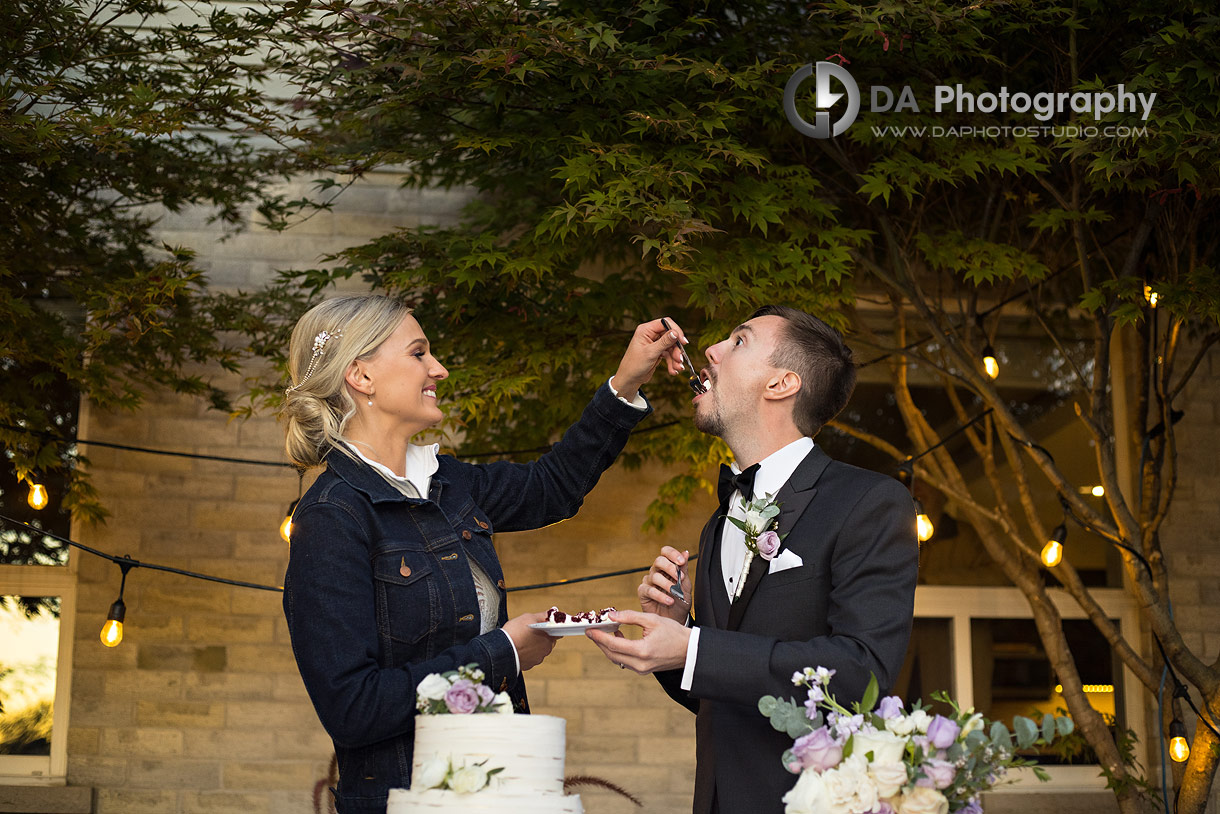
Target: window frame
(46, 580)
(960, 604)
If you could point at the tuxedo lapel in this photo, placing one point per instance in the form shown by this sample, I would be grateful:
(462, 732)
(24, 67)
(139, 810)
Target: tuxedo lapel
(703, 607)
(793, 498)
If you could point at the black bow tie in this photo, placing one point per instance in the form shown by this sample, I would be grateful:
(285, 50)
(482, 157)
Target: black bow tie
(742, 482)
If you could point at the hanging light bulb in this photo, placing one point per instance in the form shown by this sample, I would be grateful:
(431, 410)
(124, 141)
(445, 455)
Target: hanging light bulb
(112, 631)
(38, 496)
(1179, 747)
(1052, 552)
(923, 524)
(991, 365)
(286, 526)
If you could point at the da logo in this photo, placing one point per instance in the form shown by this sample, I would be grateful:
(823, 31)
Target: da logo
(825, 100)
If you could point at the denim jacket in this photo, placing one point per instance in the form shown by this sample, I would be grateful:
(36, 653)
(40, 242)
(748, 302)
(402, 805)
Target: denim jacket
(379, 593)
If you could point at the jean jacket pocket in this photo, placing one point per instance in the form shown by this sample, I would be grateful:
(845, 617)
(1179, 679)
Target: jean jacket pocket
(407, 599)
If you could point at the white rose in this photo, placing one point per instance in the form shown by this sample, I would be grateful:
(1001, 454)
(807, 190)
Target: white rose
(975, 722)
(433, 687)
(922, 800)
(468, 779)
(431, 773)
(808, 796)
(900, 725)
(920, 720)
(889, 777)
(848, 786)
(885, 746)
(502, 704)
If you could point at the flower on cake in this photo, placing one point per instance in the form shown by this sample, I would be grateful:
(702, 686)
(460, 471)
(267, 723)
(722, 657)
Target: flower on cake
(440, 773)
(879, 758)
(762, 539)
(459, 692)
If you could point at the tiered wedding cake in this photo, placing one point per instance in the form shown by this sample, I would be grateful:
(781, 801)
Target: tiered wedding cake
(528, 748)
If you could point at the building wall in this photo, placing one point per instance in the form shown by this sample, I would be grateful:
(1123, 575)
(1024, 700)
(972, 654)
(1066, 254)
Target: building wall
(200, 709)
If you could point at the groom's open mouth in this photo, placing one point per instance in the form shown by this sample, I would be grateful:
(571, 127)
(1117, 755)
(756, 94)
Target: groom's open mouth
(705, 379)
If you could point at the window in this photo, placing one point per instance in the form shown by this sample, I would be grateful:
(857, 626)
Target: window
(37, 609)
(979, 644)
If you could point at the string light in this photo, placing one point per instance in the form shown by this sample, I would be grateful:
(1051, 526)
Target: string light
(1151, 297)
(1179, 747)
(991, 365)
(1052, 552)
(38, 496)
(923, 524)
(1103, 688)
(286, 526)
(112, 631)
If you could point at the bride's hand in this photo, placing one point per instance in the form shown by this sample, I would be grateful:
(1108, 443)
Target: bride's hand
(667, 569)
(532, 645)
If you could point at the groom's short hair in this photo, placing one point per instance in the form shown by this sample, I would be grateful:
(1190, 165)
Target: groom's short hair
(817, 353)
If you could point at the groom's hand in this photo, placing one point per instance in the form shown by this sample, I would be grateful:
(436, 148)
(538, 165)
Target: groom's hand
(663, 646)
(649, 344)
(666, 570)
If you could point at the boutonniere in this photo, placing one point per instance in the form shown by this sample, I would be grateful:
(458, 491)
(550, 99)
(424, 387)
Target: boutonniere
(762, 539)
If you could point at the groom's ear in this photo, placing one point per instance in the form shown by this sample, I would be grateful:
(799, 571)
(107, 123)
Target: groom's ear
(784, 384)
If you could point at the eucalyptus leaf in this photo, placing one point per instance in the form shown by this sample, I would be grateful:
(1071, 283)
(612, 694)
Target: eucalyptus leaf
(1026, 730)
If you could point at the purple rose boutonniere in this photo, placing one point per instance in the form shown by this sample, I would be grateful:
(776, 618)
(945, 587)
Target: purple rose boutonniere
(762, 539)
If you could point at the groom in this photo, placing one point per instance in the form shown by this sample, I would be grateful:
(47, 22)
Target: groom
(839, 593)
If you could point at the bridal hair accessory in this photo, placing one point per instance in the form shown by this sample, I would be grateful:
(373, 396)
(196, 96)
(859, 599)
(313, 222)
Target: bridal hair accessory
(319, 347)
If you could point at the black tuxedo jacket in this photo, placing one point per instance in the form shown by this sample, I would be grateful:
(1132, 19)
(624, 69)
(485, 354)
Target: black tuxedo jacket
(849, 607)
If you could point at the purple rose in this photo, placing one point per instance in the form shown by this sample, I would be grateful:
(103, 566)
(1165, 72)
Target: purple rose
(937, 774)
(768, 544)
(942, 732)
(818, 750)
(885, 808)
(890, 707)
(462, 698)
(486, 696)
(972, 807)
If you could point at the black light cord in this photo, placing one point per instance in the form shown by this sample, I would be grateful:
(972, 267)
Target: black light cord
(1180, 690)
(128, 563)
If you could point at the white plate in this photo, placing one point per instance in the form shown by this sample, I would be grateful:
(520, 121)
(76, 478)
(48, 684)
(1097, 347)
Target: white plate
(573, 628)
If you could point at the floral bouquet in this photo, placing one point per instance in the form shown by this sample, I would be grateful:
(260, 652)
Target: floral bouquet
(459, 692)
(888, 760)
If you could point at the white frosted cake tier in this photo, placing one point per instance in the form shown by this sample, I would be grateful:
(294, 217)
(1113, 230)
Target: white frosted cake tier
(529, 749)
(487, 801)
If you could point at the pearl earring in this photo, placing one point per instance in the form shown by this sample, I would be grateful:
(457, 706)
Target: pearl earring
(370, 401)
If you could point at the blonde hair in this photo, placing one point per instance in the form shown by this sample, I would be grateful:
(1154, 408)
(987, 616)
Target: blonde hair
(317, 406)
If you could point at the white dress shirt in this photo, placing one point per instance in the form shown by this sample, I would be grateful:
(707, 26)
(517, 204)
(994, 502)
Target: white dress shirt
(773, 472)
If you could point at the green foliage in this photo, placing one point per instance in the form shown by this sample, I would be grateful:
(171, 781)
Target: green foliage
(634, 159)
(27, 731)
(109, 109)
